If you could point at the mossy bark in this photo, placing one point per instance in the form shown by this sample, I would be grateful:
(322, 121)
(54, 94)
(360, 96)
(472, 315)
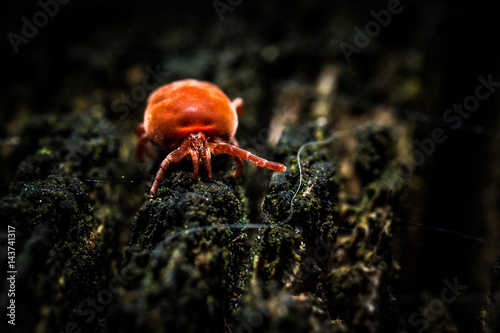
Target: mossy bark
(323, 263)
(489, 318)
(95, 253)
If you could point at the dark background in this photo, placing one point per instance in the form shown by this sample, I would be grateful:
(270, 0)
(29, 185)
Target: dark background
(89, 49)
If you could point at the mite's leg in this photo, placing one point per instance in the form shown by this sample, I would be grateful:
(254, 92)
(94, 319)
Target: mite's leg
(224, 148)
(237, 103)
(142, 145)
(208, 162)
(239, 161)
(143, 140)
(173, 157)
(195, 157)
(232, 142)
(239, 167)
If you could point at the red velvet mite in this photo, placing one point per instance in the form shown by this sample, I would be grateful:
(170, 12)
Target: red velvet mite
(194, 118)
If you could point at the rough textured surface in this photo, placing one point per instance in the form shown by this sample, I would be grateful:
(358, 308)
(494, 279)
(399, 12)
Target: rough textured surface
(66, 243)
(322, 264)
(297, 277)
(488, 319)
(333, 254)
(186, 283)
(364, 246)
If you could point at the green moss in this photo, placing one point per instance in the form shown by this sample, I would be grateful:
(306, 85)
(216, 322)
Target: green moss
(82, 145)
(60, 204)
(374, 151)
(53, 219)
(196, 273)
(45, 151)
(299, 250)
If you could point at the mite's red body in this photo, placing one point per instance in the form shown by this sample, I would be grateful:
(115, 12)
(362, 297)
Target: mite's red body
(193, 118)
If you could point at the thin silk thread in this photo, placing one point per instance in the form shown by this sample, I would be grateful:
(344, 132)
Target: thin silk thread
(256, 225)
